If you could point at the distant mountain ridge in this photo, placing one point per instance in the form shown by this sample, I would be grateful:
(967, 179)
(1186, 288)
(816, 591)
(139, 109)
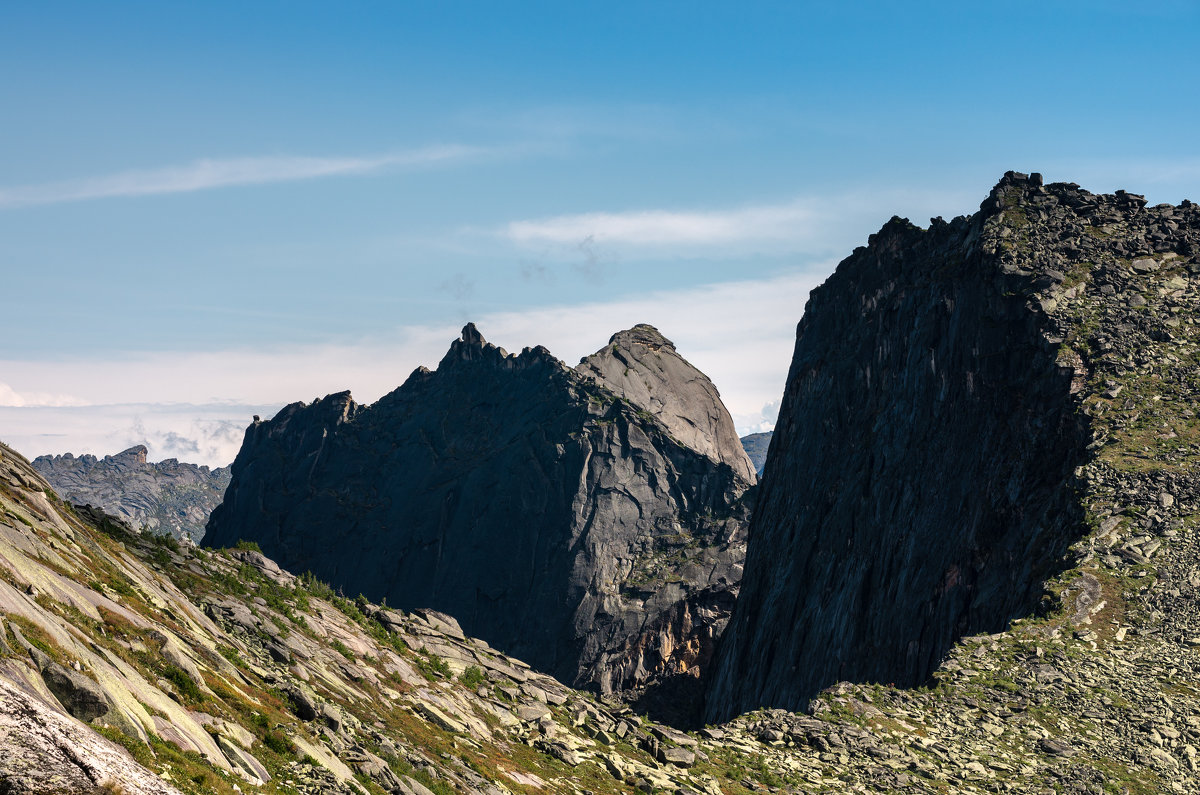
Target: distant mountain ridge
(591, 520)
(756, 446)
(169, 497)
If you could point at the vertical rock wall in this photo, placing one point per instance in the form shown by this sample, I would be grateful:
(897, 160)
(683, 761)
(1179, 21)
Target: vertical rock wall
(920, 485)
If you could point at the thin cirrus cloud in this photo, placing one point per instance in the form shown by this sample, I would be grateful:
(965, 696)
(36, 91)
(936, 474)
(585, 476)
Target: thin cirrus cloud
(208, 174)
(816, 224)
(665, 227)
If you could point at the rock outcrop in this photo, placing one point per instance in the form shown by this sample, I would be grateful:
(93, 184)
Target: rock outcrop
(928, 473)
(130, 663)
(641, 366)
(591, 521)
(168, 497)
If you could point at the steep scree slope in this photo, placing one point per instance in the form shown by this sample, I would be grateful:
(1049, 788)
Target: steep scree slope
(598, 537)
(166, 497)
(133, 664)
(925, 478)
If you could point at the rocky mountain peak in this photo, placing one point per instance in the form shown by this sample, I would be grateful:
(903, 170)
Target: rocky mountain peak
(966, 405)
(642, 334)
(641, 366)
(471, 346)
(599, 537)
(169, 496)
(135, 455)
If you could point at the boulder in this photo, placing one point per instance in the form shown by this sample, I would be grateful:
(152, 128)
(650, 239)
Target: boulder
(302, 703)
(79, 695)
(243, 761)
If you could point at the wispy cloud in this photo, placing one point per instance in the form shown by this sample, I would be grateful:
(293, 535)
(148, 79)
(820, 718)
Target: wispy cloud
(199, 434)
(13, 398)
(817, 223)
(663, 227)
(222, 173)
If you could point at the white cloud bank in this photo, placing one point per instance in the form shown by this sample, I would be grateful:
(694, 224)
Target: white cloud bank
(194, 406)
(222, 173)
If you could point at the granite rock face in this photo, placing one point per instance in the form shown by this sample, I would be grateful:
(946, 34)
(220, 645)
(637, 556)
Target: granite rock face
(641, 366)
(131, 663)
(921, 484)
(169, 497)
(599, 538)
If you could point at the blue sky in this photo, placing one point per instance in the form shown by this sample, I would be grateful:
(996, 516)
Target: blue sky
(211, 208)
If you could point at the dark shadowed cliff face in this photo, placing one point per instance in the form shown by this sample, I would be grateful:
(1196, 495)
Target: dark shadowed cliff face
(552, 518)
(920, 485)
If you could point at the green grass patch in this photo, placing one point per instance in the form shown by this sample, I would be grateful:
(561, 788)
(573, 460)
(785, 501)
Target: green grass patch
(472, 677)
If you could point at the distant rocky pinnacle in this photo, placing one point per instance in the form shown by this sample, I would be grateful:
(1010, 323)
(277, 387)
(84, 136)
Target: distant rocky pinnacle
(589, 520)
(756, 445)
(168, 497)
(936, 452)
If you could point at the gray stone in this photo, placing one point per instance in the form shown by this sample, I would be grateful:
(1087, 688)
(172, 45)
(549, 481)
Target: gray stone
(442, 719)
(490, 489)
(680, 757)
(242, 760)
(169, 497)
(79, 695)
(415, 787)
(532, 712)
(378, 771)
(301, 702)
(1056, 747)
(332, 717)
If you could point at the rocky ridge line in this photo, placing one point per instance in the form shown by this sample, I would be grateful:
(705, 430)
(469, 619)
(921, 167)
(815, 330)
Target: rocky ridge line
(1096, 691)
(599, 538)
(165, 497)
